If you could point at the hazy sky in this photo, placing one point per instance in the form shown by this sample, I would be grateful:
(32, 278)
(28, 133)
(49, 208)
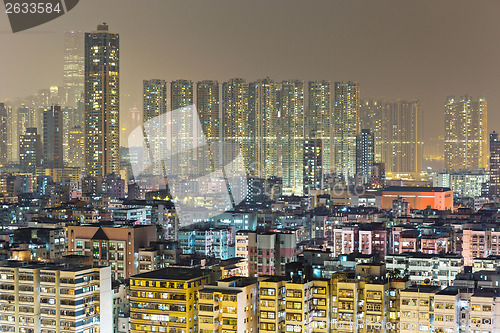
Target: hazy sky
(424, 49)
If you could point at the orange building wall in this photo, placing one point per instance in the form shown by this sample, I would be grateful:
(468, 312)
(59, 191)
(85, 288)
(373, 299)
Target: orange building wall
(420, 200)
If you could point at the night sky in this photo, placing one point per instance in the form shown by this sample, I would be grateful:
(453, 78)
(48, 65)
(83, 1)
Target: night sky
(423, 49)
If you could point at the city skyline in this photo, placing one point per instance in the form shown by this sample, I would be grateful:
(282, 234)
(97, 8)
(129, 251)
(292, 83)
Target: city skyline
(421, 62)
(222, 166)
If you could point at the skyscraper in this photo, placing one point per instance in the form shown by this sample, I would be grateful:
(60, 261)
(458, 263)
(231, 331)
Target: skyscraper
(313, 165)
(181, 94)
(365, 154)
(292, 137)
(494, 164)
(12, 140)
(24, 120)
(53, 137)
(207, 104)
(373, 116)
(102, 120)
(30, 150)
(345, 128)
(397, 130)
(465, 133)
(74, 67)
(263, 108)
(182, 129)
(403, 152)
(76, 144)
(155, 105)
(319, 118)
(72, 117)
(235, 121)
(3, 134)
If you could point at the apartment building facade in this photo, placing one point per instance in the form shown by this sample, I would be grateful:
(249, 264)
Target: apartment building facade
(55, 298)
(115, 246)
(427, 269)
(269, 252)
(478, 243)
(165, 300)
(228, 306)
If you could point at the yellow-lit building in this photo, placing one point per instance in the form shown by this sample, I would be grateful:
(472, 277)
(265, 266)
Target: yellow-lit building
(319, 314)
(233, 267)
(447, 310)
(368, 303)
(76, 147)
(417, 308)
(57, 174)
(102, 102)
(180, 300)
(394, 303)
(165, 300)
(294, 306)
(271, 304)
(365, 306)
(55, 298)
(229, 306)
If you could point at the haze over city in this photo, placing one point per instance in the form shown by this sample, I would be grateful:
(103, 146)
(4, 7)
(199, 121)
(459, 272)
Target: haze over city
(423, 50)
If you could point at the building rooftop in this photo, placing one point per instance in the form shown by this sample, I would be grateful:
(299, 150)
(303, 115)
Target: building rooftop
(422, 289)
(231, 261)
(486, 292)
(449, 291)
(100, 235)
(274, 278)
(237, 281)
(172, 273)
(46, 266)
(490, 257)
(117, 226)
(415, 189)
(224, 290)
(420, 255)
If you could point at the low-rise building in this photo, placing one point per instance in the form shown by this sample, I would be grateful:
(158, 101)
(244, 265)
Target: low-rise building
(419, 197)
(489, 263)
(158, 255)
(464, 183)
(427, 269)
(207, 241)
(53, 240)
(230, 305)
(480, 243)
(484, 311)
(294, 305)
(115, 246)
(447, 310)
(417, 309)
(241, 244)
(55, 298)
(269, 252)
(166, 300)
